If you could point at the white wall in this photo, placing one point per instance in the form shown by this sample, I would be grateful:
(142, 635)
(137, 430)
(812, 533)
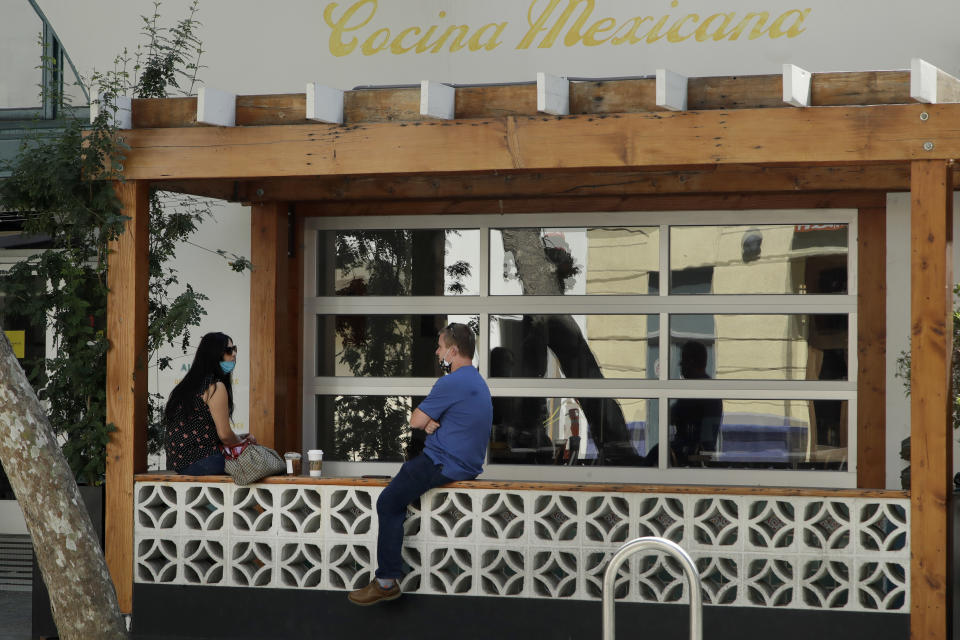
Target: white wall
(898, 326)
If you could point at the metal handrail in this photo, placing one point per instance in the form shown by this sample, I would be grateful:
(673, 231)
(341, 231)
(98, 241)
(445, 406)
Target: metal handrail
(655, 544)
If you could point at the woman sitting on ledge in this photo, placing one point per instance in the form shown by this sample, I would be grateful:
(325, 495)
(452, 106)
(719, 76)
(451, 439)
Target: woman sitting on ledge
(199, 409)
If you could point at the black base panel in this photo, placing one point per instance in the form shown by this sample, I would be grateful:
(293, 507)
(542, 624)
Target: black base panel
(195, 613)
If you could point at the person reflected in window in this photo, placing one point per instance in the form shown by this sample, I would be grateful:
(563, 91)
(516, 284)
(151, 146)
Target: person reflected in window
(456, 416)
(695, 422)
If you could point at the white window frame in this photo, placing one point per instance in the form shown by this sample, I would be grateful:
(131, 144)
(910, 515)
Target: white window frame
(485, 305)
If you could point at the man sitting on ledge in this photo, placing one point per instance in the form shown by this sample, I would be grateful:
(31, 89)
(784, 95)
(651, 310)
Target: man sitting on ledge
(456, 416)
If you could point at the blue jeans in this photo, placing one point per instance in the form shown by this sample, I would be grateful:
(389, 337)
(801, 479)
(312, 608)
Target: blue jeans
(209, 466)
(415, 478)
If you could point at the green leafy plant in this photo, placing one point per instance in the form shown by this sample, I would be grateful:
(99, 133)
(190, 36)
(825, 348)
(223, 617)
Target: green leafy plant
(64, 183)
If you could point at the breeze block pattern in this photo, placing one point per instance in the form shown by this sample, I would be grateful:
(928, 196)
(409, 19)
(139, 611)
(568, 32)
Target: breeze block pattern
(848, 554)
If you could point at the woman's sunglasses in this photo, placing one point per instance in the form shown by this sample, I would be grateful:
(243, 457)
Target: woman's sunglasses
(231, 351)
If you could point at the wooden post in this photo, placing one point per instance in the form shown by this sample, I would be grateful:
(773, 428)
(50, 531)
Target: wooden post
(871, 347)
(931, 448)
(126, 382)
(268, 321)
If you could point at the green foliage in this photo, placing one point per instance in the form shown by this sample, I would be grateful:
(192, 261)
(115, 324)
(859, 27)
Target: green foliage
(65, 184)
(397, 262)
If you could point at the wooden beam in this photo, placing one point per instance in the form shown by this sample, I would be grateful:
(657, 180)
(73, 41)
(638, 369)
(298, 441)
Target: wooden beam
(625, 141)
(871, 347)
(268, 301)
(126, 383)
(716, 179)
(688, 202)
(931, 457)
(290, 344)
(597, 97)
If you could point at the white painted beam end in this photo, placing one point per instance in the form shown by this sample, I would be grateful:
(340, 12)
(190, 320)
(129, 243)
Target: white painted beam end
(553, 94)
(796, 85)
(932, 85)
(120, 106)
(324, 104)
(671, 90)
(437, 100)
(216, 108)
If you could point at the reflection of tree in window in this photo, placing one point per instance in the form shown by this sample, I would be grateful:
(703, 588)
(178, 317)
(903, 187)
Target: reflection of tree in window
(395, 262)
(545, 268)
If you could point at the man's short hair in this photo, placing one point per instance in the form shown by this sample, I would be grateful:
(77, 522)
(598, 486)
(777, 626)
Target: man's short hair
(461, 336)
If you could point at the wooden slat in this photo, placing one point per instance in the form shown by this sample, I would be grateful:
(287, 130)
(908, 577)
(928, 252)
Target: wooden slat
(633, 95)
(931, 458)
(860, 88)
(871, 347)
(164, 112)
(289, 108)
(496, 101)
(716, 179)
(754, 136)
(512, 485)
(268, 241)
(701, 202)
(126, 383)
(382, 105)
(613, 96)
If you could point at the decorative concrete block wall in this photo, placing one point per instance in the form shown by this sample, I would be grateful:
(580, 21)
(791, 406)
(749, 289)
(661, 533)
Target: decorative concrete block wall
(849, 554)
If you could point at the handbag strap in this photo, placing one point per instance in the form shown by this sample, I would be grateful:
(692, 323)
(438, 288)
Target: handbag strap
(233, 451)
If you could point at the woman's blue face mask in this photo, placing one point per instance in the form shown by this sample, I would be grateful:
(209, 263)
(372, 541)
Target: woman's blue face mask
(227, 365)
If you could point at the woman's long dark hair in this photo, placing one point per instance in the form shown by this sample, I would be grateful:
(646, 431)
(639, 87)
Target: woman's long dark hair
(206, 365)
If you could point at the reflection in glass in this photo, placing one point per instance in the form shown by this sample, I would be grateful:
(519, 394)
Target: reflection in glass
(759, 259)
(382, 346)
(764, 434)
(398, 262)
(574, 431)
(572, 346)
(573, 261)
(366, 428)
(761, 346)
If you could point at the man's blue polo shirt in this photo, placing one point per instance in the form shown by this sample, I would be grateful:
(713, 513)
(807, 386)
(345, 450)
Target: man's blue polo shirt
(460, 402)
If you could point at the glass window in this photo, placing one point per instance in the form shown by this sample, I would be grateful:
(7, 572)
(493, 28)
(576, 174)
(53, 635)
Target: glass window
(574, 431)
(764, 434)
(573, 346)
(382, 345)
(367, 428)
(573, 261)
(398, 262)
(758, 347)
(759, 259)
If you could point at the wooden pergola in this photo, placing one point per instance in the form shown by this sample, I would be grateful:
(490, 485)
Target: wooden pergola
(737, 145)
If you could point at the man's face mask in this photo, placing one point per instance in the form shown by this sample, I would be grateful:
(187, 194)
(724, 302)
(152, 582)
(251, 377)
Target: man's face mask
(445, 364)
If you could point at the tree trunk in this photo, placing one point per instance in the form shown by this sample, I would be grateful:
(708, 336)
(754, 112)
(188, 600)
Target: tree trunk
(82, 597)
(563, 337)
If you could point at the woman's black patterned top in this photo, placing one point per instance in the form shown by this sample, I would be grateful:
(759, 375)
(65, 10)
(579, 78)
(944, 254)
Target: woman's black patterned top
(191, 433)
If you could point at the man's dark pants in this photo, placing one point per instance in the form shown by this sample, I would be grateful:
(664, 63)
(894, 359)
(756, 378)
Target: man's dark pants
(415, 478)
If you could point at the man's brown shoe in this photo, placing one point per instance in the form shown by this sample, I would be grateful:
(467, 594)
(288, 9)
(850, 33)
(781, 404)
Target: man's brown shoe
(374, 593)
